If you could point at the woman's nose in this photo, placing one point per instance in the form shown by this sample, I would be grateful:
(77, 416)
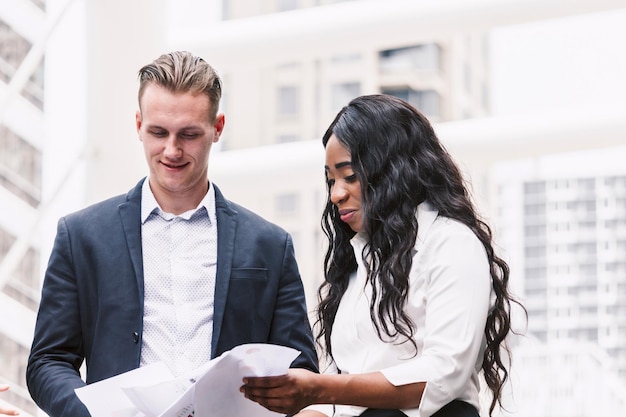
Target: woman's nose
(338, 194)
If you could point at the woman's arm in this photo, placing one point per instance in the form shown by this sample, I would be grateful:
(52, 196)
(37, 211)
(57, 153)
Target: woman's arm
(299, 388)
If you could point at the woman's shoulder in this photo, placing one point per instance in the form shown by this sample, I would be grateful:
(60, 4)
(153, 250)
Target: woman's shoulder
(438, 233)
(432, 224)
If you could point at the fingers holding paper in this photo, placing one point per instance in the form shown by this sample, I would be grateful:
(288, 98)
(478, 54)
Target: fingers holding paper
(286, 394)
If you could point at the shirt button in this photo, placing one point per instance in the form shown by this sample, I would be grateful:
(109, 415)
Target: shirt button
(136, 337)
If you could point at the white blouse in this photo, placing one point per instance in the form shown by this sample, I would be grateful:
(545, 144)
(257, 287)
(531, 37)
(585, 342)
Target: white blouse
(450, 295)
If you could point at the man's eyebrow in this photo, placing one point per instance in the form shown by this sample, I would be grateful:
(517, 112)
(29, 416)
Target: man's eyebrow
(155, 126)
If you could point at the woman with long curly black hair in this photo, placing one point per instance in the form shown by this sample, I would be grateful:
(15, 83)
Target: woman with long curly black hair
(415, 306)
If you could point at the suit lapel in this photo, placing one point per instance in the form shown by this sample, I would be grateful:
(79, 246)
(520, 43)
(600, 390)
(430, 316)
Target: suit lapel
(130, 215)
(226, 229)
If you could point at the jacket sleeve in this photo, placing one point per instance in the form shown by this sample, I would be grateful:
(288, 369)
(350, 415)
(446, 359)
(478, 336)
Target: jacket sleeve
(57, 352)
(291, 325)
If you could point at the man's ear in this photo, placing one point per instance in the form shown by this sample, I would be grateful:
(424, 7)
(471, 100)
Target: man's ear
(138, 121)
(220, 121)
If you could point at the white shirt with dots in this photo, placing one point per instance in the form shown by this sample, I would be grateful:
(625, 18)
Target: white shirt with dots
(179, 264)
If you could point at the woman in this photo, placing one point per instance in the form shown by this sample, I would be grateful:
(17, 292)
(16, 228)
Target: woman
(5, 410)
(415, 301)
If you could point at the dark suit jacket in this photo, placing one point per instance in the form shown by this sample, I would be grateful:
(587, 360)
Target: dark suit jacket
(92, 299)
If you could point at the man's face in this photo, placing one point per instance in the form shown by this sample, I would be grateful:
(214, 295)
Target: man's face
(177, 135)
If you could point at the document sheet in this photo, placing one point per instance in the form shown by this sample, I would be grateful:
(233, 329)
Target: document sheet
(211, 390)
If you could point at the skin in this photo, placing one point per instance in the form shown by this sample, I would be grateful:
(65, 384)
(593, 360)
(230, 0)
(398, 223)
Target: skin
(345, 188)
(177, 134)
(5, 410)
(299, 388)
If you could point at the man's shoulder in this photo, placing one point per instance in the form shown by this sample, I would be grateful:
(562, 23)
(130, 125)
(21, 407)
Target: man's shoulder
(108, 205)
(252, 221)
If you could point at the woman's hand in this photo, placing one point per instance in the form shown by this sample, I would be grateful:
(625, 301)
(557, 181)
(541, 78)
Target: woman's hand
(5, 410)
(286, 394)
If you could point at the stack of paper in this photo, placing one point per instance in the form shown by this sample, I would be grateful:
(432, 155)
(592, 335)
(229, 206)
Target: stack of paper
(211, 390)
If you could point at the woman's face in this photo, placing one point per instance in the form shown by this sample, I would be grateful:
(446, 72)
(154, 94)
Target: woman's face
(345, 188)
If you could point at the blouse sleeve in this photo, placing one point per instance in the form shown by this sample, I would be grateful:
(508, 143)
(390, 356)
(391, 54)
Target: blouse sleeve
(452, 278)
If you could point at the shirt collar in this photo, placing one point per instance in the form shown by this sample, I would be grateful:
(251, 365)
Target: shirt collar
(426, 216)
(150, 206)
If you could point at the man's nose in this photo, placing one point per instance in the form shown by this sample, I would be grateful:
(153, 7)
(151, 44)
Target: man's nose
(172, 147)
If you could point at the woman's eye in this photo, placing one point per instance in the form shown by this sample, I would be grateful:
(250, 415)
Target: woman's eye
(351, 178)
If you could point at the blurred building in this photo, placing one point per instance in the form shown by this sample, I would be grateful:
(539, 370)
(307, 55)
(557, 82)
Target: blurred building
(281, 99)
(562, 219)
(290, 97)
(21, 127)
(566, 378)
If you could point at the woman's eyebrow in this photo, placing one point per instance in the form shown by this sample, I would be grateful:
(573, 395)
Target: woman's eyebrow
(339, 165)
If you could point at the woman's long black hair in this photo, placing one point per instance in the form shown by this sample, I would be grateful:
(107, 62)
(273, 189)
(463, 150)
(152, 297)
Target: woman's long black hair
(400, 163)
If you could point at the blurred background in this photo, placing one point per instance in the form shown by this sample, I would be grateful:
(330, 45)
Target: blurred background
(529, 97)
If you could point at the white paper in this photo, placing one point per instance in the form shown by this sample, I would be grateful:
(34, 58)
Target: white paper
(106, 398)
(217, 392)
(211, 390)
(154, 400)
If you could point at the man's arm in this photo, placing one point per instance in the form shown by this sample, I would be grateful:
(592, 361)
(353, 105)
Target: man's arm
(57, 352)
(291, 325)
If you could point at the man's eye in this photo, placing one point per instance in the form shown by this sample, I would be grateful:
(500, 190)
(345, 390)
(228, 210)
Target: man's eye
(159, 133)
(189, 135)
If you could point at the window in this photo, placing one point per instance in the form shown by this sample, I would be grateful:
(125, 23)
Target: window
(535, 252)
(14, 49)
(534, 187)
(426, 101)
(288, 101)
(284, 5)
(20, 167)
(417, 57)
(342, 93)
(350, 59)
(534, 231)
(287, 138)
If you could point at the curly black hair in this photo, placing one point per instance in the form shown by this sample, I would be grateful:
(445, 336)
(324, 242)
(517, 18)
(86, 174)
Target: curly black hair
(401, 163)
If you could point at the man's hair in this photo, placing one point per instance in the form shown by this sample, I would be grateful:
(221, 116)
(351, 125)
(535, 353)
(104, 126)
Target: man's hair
(181, 71)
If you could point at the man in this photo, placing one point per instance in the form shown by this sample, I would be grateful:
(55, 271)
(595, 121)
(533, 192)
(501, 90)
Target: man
(171, 271)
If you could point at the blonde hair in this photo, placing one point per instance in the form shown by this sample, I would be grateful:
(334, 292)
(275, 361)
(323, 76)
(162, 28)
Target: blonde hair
(181, 71)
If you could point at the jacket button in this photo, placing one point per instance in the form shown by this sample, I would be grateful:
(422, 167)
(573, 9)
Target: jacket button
(136, 337)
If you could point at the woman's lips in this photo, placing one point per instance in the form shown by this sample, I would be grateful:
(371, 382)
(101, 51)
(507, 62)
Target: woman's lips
(346, 215)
